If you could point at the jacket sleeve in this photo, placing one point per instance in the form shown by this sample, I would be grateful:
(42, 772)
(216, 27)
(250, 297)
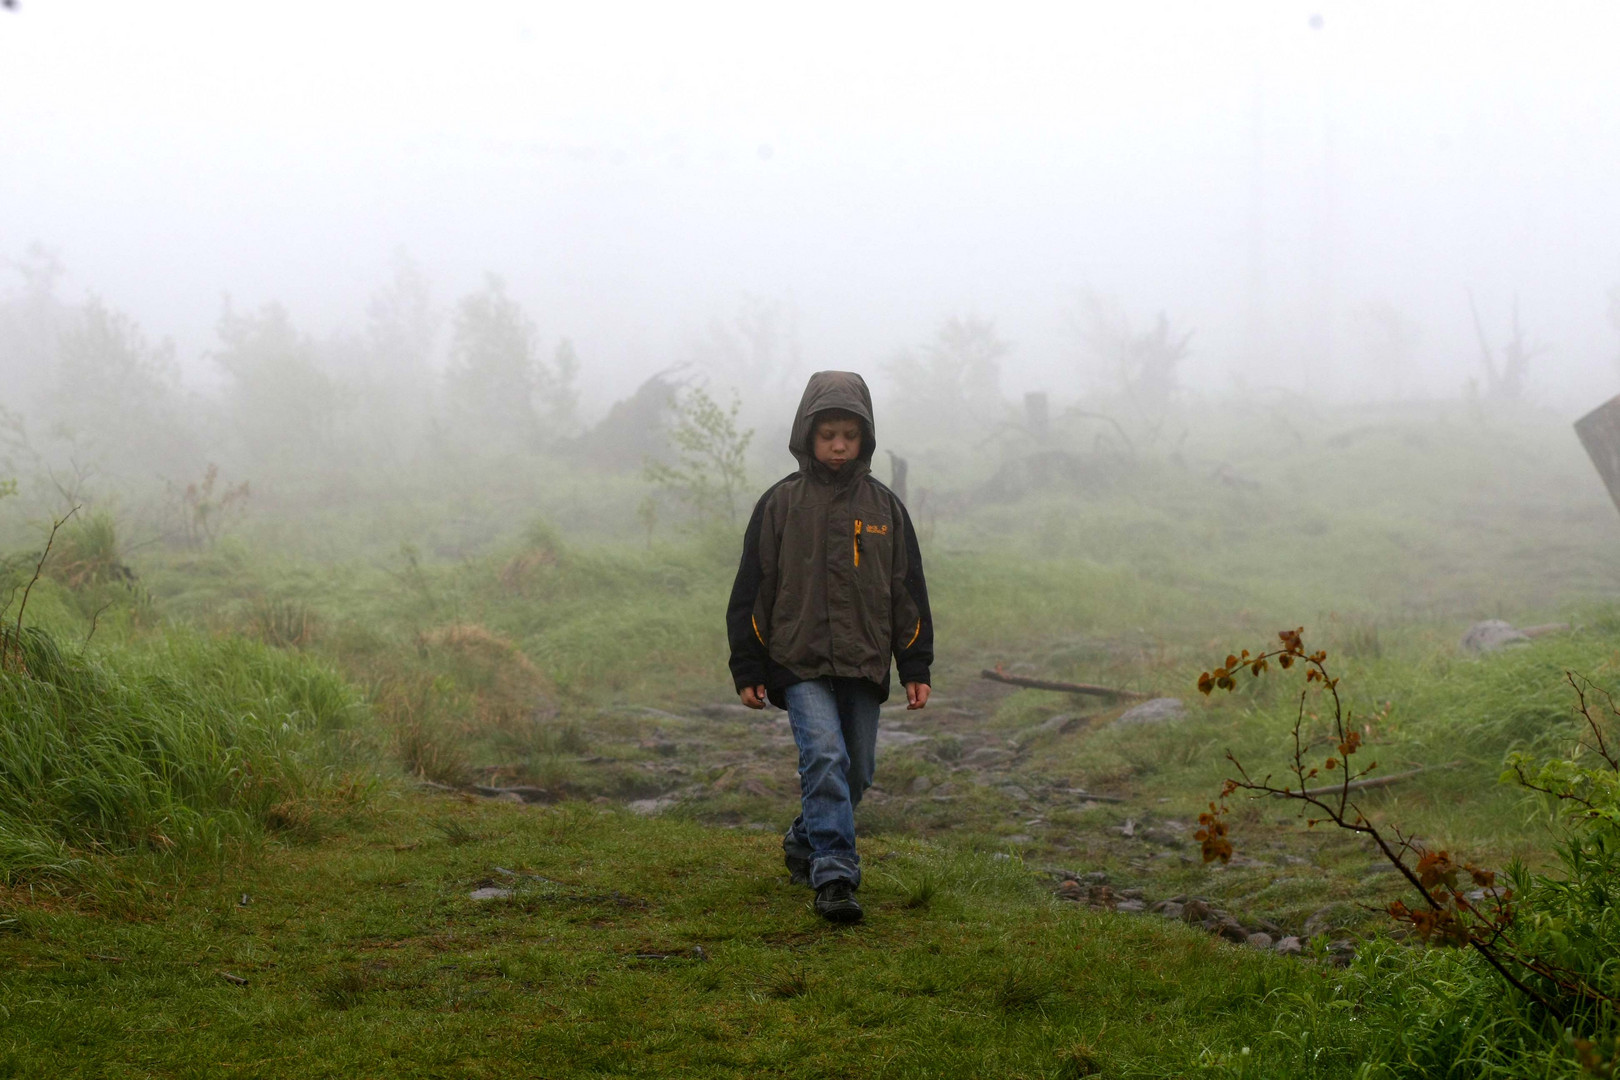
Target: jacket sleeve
(747, 638)
(912, 622)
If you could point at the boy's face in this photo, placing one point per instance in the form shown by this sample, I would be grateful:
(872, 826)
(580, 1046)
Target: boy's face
(837, 442)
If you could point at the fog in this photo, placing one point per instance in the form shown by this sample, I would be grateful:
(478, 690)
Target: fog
(1265, 176)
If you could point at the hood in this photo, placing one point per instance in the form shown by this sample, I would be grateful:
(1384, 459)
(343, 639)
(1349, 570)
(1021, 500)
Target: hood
(832, 390)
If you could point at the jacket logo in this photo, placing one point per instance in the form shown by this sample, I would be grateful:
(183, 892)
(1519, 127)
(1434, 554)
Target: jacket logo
(881, 530)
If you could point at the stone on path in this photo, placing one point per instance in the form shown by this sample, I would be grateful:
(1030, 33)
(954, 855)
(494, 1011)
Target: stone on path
(889, 737)
(1156, 711)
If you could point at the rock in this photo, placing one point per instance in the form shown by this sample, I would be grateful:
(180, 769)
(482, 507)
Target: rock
(1131, 894)
(1020, 838)
(1129, 905)
(1341, 952)
(1062, 723)
(520, 793)
(1334, 916)
(1233, 931)
(1260, 941)
(945, 790)
(1169, 909)
(1001, 856)
(986, 755)
(1491, 635)
(1013, 791)
(649, 807)
(1194, 911)
(1129, 828)
(892, 737)
(1156, 711)
(1071, 890)
(490, 893)
(920, 785)
(1289, 946)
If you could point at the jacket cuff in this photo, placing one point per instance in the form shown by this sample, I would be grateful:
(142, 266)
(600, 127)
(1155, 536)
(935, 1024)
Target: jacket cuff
(913, 672)
(748, 679)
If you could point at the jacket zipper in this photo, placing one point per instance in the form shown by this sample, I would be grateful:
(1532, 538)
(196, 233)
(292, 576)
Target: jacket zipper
(857, 541)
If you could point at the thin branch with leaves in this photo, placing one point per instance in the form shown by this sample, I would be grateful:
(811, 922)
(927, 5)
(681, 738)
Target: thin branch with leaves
(1447, 914)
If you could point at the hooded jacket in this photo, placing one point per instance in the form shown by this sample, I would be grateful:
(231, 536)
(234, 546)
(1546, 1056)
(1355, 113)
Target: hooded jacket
(831, 579)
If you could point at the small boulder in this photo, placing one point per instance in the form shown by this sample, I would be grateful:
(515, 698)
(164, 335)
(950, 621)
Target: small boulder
(1194, 911)
(1170, 909)
(1491, 635)
(1233, 931)
(1260, 941)
(490, 893)
(1324, 920)
(920, 785)
(1013, 791)
(1289, 946)
(1129, 905)
(1155, 711)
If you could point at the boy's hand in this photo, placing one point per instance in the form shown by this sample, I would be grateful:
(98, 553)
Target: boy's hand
(916, 695)
(752, 696)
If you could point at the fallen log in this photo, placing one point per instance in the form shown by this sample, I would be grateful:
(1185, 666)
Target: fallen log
(996, 674)
(1377, 781)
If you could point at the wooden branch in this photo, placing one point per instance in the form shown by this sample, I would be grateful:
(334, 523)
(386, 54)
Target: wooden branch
(1375, 782)
(996, 674)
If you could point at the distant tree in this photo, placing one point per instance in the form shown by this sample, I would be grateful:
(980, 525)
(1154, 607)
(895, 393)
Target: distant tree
(757, 348)
(1142, 366)
(710, 469)
(500, 393)
(402, 324)
(116, 397)
(1504, 381)
(394, 372)
(32, 320)
(279, 402)
(559, 395)
(955, 378)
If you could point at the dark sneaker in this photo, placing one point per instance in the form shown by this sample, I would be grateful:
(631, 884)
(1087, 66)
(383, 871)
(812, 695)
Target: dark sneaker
(798, 869)
(835, 902)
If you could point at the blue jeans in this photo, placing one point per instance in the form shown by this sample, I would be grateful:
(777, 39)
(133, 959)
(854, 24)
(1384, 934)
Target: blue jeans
(835, 723)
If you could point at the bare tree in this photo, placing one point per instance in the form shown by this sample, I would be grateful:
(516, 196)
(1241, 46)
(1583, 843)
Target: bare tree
(1504, 382)
(955, 378)
(1143, 366)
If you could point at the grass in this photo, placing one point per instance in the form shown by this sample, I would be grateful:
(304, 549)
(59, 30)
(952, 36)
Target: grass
(227, 691)
(184, 746)
(643, 947)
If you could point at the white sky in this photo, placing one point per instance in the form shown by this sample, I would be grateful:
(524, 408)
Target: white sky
(634, 169)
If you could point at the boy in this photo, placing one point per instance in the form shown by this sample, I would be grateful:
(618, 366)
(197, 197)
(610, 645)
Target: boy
(830, 587)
